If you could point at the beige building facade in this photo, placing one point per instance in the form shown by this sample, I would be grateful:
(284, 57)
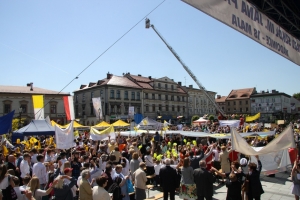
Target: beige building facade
(16, 97)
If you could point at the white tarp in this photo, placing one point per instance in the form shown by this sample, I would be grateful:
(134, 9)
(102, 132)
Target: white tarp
(230, 123)
(284, 141)
(148, 123)
(273, 162)
(245, 18)
(64, 137)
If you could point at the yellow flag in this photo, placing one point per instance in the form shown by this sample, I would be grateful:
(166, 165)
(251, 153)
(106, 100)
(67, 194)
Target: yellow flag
(4, 150)
(38, 106)
(33, 140)
(252, 118)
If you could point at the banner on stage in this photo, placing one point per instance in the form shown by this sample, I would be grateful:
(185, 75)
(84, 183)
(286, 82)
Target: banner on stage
(64, 137)
(248, 20)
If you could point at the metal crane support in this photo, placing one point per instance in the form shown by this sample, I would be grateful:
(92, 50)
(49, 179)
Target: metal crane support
(148, 25)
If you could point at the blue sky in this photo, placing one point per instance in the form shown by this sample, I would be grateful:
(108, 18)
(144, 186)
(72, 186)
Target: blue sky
(51, 42)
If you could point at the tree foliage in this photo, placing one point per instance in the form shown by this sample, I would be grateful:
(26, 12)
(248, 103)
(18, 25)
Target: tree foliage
(211, 117)
(195, 117)
(296, 95)
(16, 123)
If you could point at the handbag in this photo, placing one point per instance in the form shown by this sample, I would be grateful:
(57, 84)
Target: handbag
(130, 188)
(9, 193)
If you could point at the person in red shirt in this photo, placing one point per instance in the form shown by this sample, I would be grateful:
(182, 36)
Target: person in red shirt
(233, 155)
(293, 152)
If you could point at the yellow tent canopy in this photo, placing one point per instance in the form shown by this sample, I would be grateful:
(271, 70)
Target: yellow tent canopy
(120, 123)
(53, 123)
(102, 125)
(75, 125)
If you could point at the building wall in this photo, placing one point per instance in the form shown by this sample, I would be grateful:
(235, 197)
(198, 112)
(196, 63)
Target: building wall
(25, 101)
(237, 106)
(199, 104)
(114, 104)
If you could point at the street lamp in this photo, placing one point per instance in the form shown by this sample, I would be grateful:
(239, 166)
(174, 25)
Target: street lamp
(20, 116)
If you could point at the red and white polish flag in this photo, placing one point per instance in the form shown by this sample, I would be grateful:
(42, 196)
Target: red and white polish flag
(69, 107)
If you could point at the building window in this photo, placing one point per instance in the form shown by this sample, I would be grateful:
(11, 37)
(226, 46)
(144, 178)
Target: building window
(112, 94)
(83, 109)
(24, 108)
(146, 95)
(153, 107)
(178, 98)
(183, 99)
(246, 102)
(119, 109)
(247, 109)
(7, 108)
(83, 96)
(240, 102)
(166, 97)
(153, 96)
(159, 107)
(173, 108)
(167, 108)
(183, 108)
(178, 108)
(101, 93)
(228, 103)
(172, 98)
(138, 110)
(76, 98)
(138, 97)
(52, 109)
(241, 109)
(158, 85)
(76, 111)
(91, 109)
(147, 108)
(172, 87)
(118, 94)
(126, 95)
(234, 103)
(228, 109)
(166, 86)
(159, 97)
(132, 95)
(92, 95)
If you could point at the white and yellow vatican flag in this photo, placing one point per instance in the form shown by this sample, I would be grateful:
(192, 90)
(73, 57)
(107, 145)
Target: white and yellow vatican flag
(38, 106)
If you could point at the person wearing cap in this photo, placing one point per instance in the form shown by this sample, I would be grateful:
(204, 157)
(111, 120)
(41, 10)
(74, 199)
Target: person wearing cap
(140, 179)
(68, 172)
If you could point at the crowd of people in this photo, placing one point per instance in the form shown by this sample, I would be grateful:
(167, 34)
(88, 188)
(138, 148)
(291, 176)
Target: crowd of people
(121, 168)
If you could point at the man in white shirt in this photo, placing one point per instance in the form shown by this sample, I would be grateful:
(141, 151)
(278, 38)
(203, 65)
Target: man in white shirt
(25, 166)
(39, 170)
(62, 160)
(34, 154)
(19, 189)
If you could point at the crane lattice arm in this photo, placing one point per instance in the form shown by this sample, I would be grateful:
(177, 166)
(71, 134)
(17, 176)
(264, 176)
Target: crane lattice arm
(212, 100)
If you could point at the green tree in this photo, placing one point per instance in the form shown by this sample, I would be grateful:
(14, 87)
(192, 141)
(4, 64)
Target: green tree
(16, 123)
(296, 95)
(211, 117)
(195, 117)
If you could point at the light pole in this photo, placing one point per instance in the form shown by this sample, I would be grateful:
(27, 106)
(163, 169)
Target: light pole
(20, 116)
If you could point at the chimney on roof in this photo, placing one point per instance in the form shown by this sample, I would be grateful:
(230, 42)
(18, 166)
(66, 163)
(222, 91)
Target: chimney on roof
(273, 91)
(218, 96)
(108, 75)
(139, 75)
(262, 91)
(30, 85)
(190, 86)
(179, 83)
(150, 77)
(267, 91)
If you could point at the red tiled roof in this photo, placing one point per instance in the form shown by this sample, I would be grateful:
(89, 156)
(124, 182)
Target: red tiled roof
(145, 85)
(222, 99)
(122, 81)
(26, 90)
(141, 78)
(240, 94)
(180, 90)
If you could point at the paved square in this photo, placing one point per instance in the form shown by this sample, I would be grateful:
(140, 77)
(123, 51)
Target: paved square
(276, 188)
